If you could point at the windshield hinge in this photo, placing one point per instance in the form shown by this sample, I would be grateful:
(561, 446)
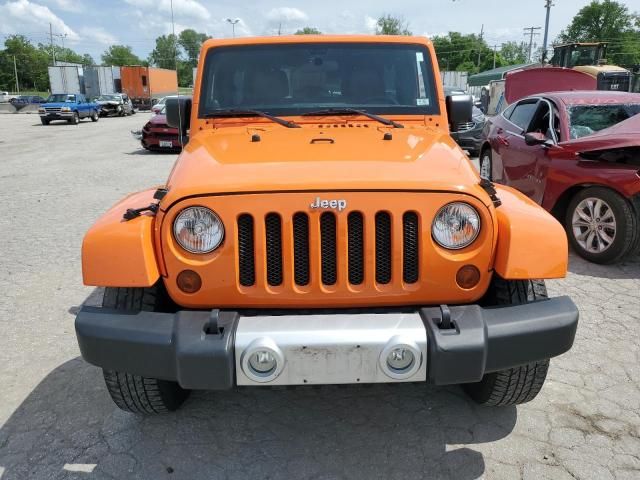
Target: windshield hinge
(488, 187)
(160, 193)
(132, 213)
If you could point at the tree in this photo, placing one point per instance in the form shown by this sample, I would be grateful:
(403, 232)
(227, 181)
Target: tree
(30, 61)
(390, 25)
(191, 41)
(166, 53)
(308, 31)
(119, 55)
(513, 53)
(607, 21)
(460, 52)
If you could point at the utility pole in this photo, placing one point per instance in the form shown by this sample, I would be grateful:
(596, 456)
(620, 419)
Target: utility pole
(531, 31)
(494, 55)
(480, 44)
(548, 5)
(15, 70)
(53, 51)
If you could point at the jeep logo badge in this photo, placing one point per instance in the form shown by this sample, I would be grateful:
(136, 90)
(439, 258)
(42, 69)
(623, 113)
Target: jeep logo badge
(339, 205)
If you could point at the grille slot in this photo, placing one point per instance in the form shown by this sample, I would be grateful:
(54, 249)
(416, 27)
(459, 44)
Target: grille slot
(301, 248)
(246, 252)
(273, 238)
(410, 248)
(355, 226)
(383, 247)
(328, 248)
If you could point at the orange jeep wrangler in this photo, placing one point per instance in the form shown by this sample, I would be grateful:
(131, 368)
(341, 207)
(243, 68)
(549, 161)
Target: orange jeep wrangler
(322, 227)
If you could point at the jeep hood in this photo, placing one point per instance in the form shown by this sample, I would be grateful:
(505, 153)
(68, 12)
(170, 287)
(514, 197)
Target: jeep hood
(320, 157)
(625, 134)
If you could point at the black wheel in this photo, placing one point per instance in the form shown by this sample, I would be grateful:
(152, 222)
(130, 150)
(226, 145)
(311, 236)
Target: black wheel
(94, 116)
(75, 120)
(44, 121)
(134, 393)
(601, 225)
(486, 166)
(514, 385)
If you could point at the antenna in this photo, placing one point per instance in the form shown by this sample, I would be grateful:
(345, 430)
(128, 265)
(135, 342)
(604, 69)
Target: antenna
(175, 56)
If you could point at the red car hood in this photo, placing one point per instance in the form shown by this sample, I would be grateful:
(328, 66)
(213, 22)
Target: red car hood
(158, 120)
(621, 135)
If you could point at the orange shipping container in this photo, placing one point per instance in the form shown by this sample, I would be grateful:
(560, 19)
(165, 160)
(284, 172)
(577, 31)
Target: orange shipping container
(146, 84)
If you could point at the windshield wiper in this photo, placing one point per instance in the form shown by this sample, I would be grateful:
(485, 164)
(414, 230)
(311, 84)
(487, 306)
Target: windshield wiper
(232, 112)
(353, 111)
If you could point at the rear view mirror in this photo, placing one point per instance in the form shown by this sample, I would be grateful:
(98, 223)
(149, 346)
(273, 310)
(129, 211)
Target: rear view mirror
(459, 110)
(178, 112)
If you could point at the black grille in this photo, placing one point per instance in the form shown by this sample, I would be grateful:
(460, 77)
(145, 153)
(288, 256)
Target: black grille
(328, 248)
(383, 247)
(620, 82)
(246, 262)
(273, 239)
(301, 248)
(410, 253)
(356, 248)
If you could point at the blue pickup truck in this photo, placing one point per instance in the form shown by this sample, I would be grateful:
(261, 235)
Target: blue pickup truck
(70, 107)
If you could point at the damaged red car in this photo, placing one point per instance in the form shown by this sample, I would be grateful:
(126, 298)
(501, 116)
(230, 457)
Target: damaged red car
(578, 155)
(157, 135)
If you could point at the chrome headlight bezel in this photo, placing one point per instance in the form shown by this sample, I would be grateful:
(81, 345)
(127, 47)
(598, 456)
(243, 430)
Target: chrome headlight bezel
(472, 218)
(177, 227)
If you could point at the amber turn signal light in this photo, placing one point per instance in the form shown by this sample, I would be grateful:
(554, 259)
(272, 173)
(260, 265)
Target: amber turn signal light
(189, 281)
(468, 277)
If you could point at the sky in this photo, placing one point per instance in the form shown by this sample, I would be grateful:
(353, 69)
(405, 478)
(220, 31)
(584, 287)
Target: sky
(90, 26)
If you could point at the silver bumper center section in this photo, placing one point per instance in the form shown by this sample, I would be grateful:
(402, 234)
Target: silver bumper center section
(330, 349)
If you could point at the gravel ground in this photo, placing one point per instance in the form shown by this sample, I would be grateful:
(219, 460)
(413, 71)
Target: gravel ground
(56, 420)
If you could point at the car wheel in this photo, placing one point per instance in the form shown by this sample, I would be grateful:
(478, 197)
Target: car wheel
(94, 116)
(485, 164)
(601, 225)
(135, 393)
(75, 120)
(517, 385)
(44, 121)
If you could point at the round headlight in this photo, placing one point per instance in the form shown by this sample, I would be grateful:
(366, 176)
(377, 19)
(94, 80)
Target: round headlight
(198, 230)
(456, 226)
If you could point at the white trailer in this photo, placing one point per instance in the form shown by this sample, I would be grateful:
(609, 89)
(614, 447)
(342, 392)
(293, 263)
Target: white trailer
(99, 81)
(66, 79)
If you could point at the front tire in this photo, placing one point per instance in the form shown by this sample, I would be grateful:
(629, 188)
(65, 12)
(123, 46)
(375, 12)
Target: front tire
(135, 393)
(94, 116)
(44, 121)
(601, 225)
(76, 119)
(521, 384)
(486, 165)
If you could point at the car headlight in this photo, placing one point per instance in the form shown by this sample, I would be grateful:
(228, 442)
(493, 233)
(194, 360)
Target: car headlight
(456, 226)
(65, 109)
(198, 230)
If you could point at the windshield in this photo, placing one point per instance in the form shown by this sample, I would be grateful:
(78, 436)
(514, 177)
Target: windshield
(61, 98)
(107, 98)
(587, 119)
(301, 78)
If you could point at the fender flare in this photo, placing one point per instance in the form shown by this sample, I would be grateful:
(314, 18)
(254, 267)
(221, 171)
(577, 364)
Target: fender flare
(531, 242)
(120, 253)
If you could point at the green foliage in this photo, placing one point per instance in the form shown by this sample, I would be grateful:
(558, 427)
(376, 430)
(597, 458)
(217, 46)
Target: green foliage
(119, 55)
(514, 53)
(390, 25)
(31, 63)
(308, 31)
(191, 41)
(165, 54)
(607, 21)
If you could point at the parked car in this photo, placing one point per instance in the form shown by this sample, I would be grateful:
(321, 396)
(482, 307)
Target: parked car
(115, 104)
(22, 100)
(304, 237)
(5, 97)
(577, 154)
(157, 135)
(70, 107)
(159, 105)
(469, 135)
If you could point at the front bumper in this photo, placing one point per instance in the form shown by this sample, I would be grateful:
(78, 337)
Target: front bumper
(57, 115)
(205, 350)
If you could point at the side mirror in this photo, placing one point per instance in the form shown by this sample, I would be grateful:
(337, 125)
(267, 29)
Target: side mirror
(178, 112)
(535, 138)
(459, 110)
